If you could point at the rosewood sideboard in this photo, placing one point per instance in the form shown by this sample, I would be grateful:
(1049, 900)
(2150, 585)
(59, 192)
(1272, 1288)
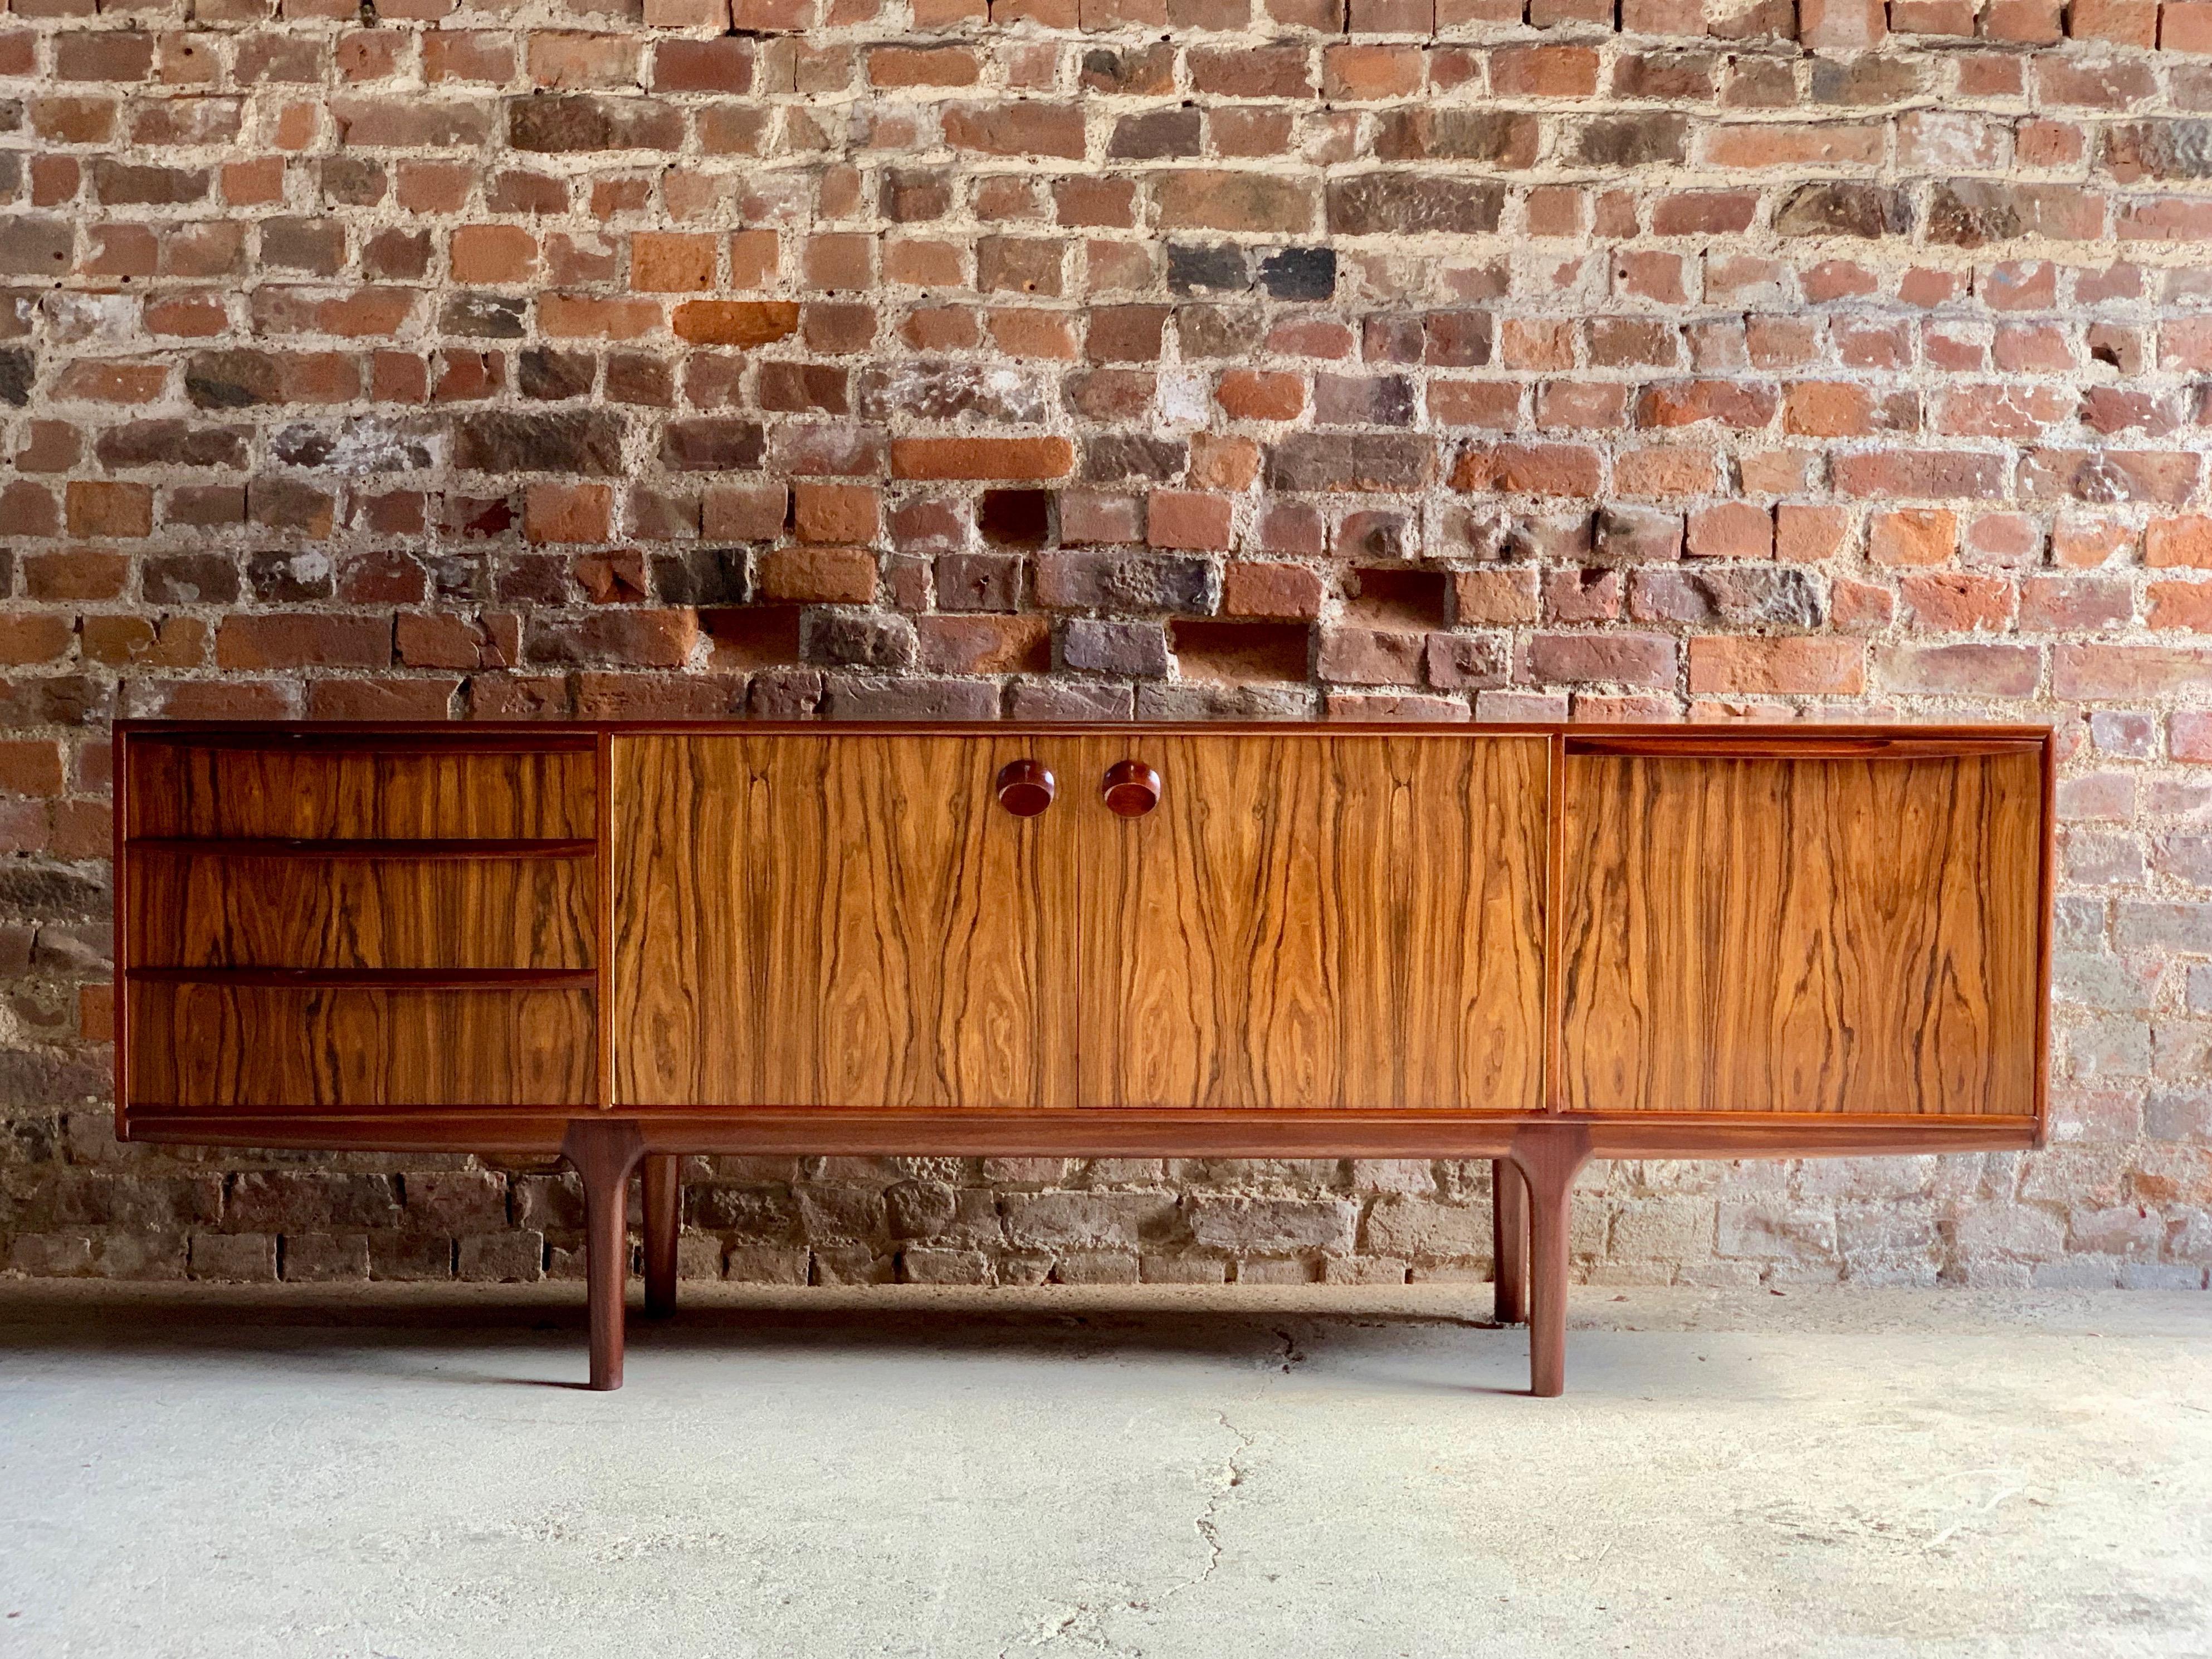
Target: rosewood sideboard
(1538, 944)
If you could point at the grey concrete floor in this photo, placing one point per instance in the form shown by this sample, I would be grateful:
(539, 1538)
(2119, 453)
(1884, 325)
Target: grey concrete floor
(1135, 1472)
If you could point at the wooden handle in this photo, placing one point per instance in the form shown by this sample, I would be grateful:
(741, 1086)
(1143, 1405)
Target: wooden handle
(1025, 787)
(1131, 789)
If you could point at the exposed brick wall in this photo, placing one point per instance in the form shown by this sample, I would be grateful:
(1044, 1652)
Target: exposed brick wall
(1113, 358)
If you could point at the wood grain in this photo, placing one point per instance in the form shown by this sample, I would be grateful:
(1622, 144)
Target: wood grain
(1308, 921)
(345, 792)
(833, 921)
(189, 910)
(1801, 936)
(211, 1048)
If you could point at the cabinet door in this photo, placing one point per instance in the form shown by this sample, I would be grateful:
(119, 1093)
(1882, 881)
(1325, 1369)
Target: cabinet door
(1801, 934)
(1314, 921)
(838, 922)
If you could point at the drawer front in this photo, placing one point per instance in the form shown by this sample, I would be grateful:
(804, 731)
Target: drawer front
(217, 909)
(1314, 922)
(215, 1048)
(333, 789)
(1801, 935)
(359, 921)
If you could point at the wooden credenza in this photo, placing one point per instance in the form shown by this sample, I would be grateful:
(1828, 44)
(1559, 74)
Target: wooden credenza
(624, 943)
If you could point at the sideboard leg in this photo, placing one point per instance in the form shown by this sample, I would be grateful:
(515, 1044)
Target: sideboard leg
(1509, 1232)
(1549, 1156)
(664, 1221)
(603, 1153)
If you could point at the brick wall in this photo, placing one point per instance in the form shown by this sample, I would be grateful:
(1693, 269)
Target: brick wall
(1113, 357)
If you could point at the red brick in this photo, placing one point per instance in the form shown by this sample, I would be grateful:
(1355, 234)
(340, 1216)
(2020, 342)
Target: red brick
(1612, 658)
(820, 575)
(30, 767)
(1247, 394)
(2188, 735)
(1988, 671)
(1913, 536)
(2127, 672)
(985, 644)
(30, 638)
(2179, 605)
(982, 458)
(1494, 598)
(1252, 588)
(1842, 25)
(1175, 519)
(96, 509)
(1530, 468)
(1023, 129)
(2185, 26)
(735, 322)
(1957, 602)
(846, 514)
(1544, 71)
(2119, 22)
(663, 262)
(1724, 664)
(2184, 541)
(302, 639)
(83, 574)
(568, 512)
(1734, 530)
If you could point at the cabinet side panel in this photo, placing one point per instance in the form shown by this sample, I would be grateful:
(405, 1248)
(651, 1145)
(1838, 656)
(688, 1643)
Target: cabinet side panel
(1814, 935)
(839, 921)
(1317, 922)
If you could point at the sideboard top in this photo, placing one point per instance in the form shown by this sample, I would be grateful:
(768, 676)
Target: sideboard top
(1711, 737)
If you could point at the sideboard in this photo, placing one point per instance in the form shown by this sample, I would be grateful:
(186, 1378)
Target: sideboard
(623, 943)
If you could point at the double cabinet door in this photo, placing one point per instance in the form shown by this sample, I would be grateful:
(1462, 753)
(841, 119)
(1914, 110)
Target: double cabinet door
(862, 920)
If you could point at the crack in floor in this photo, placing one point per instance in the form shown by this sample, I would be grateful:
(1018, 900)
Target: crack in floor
(1084, 1622)
(1206, 1523)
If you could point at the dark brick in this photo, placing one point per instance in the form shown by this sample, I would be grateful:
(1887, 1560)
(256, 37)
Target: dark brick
(1412, 204)
(1843, 209)
(1632, 141)
(559, 122)
(1299, 273)
(1219, 270)
(588, 442)
(1318, 460)
(712, 445)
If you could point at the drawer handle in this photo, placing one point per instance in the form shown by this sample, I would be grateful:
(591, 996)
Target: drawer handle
(1025, 787)
(1131, 789)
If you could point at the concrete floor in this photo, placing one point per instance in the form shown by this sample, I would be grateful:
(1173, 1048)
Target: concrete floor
(1219, 1473)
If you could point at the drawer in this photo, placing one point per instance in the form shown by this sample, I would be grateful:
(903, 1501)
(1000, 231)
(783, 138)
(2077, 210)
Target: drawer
(315, 786)
(197, 909)
(244, 1046)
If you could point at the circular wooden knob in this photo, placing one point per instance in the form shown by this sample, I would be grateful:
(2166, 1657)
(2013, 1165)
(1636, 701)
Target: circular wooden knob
(1131, 789)
(1025, 787)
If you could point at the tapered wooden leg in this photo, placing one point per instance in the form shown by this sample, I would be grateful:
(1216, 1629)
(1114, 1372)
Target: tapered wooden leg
(663, 1221)
(1548, 1156)
(1509, 1230)
(603, 1153)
